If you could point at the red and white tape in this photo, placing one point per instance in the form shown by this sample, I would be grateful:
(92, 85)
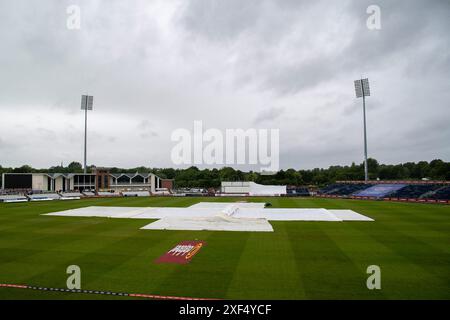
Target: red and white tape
(137, 295)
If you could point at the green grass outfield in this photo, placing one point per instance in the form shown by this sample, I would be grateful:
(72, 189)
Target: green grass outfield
(300, 260)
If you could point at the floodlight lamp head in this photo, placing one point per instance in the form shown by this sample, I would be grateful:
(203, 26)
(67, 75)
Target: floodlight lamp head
(87, 102)
(362, 88)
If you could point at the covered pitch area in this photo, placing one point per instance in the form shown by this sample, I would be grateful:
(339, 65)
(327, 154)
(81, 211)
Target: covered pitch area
(216, 216)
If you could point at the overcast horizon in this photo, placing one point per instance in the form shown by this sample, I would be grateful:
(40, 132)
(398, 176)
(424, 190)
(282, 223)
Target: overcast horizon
(156, 66)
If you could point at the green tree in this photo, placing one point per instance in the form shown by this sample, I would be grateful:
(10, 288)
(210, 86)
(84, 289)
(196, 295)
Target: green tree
(75, 167)
(23, 169)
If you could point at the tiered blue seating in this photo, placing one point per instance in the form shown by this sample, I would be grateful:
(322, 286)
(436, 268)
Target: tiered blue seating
(379, 190)
(44, 196)
(330, 188)
(441, 194)
(348, 189)
(344, 189)
(414, 191)
(298, 191)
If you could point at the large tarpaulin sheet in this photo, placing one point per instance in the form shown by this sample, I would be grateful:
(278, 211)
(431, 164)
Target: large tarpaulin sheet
(224, 216)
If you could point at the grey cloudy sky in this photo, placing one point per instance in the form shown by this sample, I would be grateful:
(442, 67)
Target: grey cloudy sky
(155, 66)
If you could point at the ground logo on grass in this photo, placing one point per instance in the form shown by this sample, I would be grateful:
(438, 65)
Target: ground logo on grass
(182, 253)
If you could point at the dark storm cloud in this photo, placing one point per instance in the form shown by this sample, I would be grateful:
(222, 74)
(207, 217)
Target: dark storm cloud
(405, 26)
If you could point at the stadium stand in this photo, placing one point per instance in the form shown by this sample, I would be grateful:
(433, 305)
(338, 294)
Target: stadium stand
(379, 190)
(297, 191)
(70, 196)
(348, 189)
(43, 196)
(442, 193)
(13, 198)
(108, 194)
(330, 189)
(136, 193)
(343, 189)
(162, 192)
(414, 191)
(89, 193)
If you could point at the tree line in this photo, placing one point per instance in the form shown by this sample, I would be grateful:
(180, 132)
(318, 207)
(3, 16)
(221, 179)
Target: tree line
(207, 178)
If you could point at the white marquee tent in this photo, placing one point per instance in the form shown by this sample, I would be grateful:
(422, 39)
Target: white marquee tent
(252, 189)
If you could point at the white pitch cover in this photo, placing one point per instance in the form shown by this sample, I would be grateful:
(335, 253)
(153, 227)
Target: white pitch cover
(218, 216)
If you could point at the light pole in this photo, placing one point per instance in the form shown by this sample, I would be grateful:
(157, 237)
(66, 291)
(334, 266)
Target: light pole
(86, 104)
(362, 90)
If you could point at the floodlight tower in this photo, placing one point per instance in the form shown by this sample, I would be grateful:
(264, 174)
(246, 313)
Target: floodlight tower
(86, 104)
(363, 90)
